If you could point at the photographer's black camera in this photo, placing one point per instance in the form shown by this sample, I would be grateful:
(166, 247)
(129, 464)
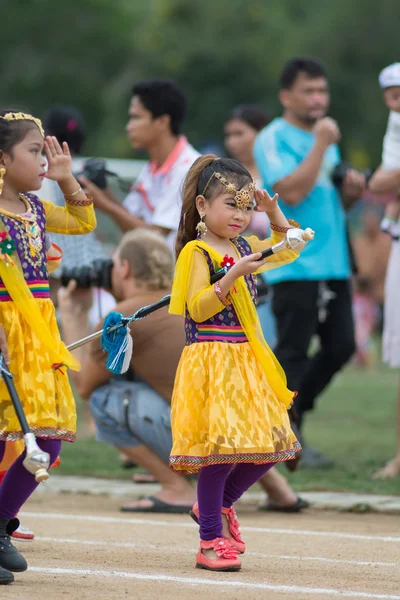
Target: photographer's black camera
(339, 173)
(95, 170)
(98, 274)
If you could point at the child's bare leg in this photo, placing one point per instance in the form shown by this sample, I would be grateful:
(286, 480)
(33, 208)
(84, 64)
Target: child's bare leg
(392, 469)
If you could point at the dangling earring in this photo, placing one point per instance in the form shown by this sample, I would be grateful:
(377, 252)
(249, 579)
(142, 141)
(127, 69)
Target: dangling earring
(201, 227)
(2, 173)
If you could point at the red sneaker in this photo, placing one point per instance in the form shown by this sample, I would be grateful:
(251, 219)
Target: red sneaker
(235, 540)
(227, 556)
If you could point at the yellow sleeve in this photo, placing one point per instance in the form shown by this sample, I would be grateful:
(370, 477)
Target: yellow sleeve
(276, 260)
(70, 219)
(202, 301)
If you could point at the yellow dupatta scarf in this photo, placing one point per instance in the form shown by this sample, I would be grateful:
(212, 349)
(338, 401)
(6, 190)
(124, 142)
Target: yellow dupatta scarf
(245, 310)
(12, 276)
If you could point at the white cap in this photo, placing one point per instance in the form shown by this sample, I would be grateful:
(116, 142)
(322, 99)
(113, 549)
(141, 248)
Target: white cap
(390, 76)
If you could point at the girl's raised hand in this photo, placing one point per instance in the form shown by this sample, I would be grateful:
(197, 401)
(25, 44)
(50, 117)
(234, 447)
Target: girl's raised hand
(264, 202)
(58, 158)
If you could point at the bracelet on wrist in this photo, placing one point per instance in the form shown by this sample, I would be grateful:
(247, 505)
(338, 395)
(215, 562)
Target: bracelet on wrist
(281, 229)
(78, 191)
(87, 202)
(221, 297)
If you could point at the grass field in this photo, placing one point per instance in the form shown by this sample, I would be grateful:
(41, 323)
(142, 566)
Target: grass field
(354, 424)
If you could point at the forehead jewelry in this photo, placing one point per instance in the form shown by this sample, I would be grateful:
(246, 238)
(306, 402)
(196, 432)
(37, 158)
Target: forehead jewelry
(23, 117)
(242, 196)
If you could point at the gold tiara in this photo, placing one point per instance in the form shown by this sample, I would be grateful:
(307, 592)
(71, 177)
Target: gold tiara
(23, 117)
(242, 197)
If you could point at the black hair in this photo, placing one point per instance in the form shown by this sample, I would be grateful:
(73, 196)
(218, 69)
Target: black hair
(162, 97)
(251, 114)
(13, 132)
(312, 67)
(67, 124)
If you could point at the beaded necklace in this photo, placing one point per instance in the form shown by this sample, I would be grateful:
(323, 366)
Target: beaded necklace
(31, 238)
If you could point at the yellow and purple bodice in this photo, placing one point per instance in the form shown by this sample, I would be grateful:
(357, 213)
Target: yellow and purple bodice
(28, 234)
(224, 326)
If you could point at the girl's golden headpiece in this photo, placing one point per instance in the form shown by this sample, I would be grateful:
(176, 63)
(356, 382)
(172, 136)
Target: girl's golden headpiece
(23, 117)
(242, 197)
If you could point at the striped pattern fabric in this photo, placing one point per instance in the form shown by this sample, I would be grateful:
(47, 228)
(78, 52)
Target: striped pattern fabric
(192, 464)
(39, 289)
(220, 333)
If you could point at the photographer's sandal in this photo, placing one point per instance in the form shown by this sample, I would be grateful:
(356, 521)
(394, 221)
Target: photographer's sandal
(295, 507)
(227, 556)
(156, 506)
(10, 558)
(236, 539)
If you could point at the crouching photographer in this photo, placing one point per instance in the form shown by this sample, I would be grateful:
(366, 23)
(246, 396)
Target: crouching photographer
(132, 411)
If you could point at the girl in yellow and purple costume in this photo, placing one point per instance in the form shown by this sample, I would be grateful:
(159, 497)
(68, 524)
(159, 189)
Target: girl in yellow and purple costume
(229, 406)
(37, 356)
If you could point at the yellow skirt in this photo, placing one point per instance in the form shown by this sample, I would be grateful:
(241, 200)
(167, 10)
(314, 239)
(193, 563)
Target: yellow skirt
(224, 411)
(45, 394)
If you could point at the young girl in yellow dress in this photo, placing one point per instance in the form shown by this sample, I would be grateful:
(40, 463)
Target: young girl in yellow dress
(37, 357)
(229, 406)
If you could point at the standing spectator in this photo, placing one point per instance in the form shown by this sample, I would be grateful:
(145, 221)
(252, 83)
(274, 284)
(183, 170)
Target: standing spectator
(241, 129)
(296, 155)
(156, 115)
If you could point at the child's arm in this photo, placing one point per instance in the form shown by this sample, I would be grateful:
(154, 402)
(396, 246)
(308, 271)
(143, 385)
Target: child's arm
(202, 301)
(78, 214)
(74, 218)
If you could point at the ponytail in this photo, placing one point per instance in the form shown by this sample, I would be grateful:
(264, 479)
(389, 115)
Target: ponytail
(189, 215)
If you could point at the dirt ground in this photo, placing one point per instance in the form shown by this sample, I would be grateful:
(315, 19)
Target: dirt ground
(85, 548)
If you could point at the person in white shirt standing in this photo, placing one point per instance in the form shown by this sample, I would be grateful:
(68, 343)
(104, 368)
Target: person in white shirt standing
(156, 115)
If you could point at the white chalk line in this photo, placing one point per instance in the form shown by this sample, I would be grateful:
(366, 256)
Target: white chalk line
(182, 550)
(159, 577)
(175, 524)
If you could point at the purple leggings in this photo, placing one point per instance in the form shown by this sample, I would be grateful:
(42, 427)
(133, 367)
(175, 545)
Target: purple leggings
(19, 484)
(221, 486)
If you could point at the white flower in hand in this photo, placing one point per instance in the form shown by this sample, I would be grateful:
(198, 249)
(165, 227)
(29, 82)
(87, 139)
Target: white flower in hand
(58, 158)
(264, 202)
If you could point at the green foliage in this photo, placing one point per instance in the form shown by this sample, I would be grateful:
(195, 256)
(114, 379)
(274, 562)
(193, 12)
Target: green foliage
(89, 53)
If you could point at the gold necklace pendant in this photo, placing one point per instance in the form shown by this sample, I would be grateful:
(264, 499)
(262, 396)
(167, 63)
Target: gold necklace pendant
(33, 233)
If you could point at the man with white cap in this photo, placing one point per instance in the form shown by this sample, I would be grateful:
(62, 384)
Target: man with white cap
(387, 177)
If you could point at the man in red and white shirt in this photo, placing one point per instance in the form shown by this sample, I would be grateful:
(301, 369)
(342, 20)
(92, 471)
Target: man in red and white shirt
(156, 114)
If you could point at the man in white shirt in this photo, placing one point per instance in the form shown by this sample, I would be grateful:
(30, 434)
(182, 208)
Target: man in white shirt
(156, 114)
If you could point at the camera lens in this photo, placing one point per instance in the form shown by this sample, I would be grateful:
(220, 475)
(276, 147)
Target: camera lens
(98, 274)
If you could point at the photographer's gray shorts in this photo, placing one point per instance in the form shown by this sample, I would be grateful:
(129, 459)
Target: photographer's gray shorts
(132, 414)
